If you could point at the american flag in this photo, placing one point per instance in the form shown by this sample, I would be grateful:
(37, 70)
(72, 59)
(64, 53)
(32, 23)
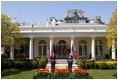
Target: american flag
(74, 51)
(48, 52)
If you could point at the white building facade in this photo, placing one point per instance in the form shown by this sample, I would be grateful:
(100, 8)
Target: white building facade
(59, 35)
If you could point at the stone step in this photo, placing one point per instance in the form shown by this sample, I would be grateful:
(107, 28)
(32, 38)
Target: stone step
(62, 66)
(62, 61)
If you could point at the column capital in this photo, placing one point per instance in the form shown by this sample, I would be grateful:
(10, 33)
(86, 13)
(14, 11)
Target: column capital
(93, 36)
(51, 37)
(31, 37)
(72, 37)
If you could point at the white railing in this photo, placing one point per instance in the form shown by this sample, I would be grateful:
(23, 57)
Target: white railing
(79, 28)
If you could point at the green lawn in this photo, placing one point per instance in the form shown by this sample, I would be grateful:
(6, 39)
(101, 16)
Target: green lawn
(95, 73)
(102, 74)
(22, 75)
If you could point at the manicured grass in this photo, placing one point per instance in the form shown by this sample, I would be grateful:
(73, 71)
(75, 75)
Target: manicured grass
(95, 73)
(102, 74)
(22, 75)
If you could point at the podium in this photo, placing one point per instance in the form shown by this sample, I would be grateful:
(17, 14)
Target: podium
(70, 62)
(53, 61)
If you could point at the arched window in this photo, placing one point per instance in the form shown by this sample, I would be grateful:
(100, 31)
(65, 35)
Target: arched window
(61, 48)
(42, 48)
(62, 43)
(82, 48)
(98, 47)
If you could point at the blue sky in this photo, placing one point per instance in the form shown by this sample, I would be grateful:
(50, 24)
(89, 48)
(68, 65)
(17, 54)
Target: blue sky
(40, 11)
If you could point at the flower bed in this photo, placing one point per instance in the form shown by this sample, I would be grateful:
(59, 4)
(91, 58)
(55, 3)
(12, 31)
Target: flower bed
(42, 70)
(61, 70)
(62, 75)
(79, 70)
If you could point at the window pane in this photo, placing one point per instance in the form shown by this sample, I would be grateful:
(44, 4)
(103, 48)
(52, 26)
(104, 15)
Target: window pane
(85, 50)
(98, 42)
(64, 46)
(100, 47)
(42, 42)
(40, 49)
(96, 50)
(44, 49)
(82, 42)
(62, 42)
(80, 49)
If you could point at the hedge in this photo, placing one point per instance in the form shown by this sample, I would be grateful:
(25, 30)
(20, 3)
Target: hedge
(95, 64)
(24, 63)
(61, 75)
(7, 72)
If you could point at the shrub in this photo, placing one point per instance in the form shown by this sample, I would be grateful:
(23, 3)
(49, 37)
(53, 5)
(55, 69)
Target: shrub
(7, 72)
(92, 63)
(86, 64)
(61, 75)
(96, 66)
(82, 75)
(18, 64)
(7, 63)
(103, 65)
(114, 66)
(42, 75)
(42, 63)
(34, 63)
(4, 56)
(81, 63)
(46, 59)
(80, 57)
(24, 63)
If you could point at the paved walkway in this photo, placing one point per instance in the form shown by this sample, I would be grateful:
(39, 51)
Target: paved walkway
(61, 64)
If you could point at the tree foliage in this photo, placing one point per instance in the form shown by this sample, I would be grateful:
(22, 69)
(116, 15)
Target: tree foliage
(112, 29)
(10, 34)
(9, 31)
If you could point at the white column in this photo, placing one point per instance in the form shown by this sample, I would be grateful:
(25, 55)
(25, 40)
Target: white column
(31, 48)
(51, 43)
(113, 50)
(72, 43)
(12, 52)
(93, 48)
(2, 50)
